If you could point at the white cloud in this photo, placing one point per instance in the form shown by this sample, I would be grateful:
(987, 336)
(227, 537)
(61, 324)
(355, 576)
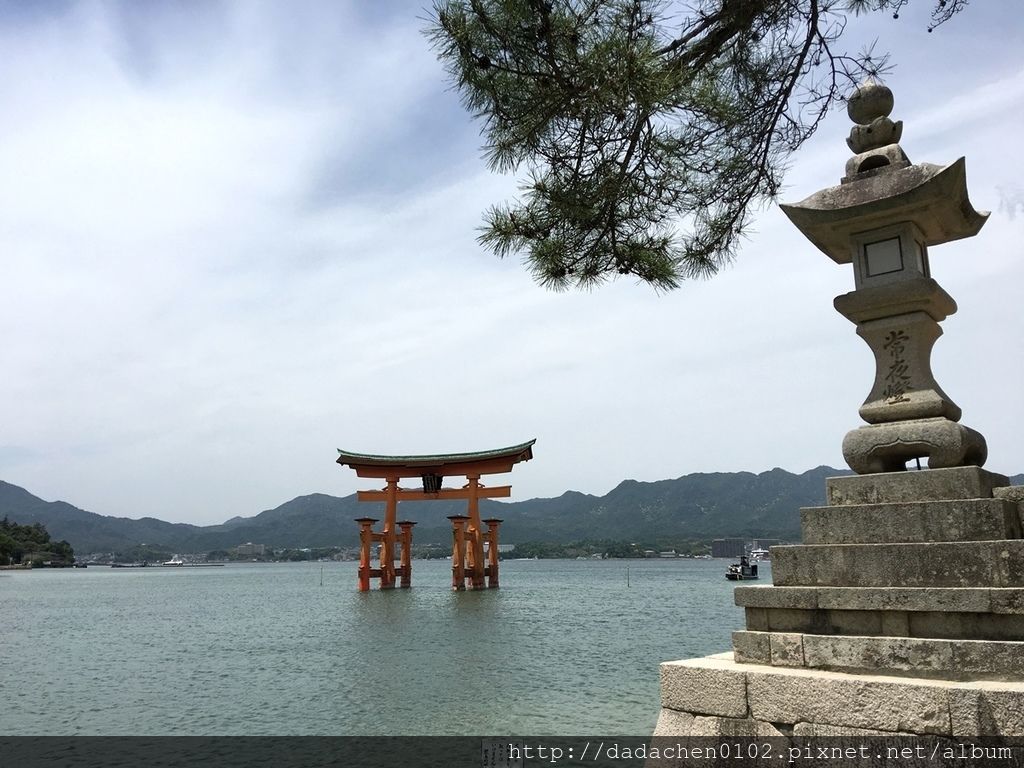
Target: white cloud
(233, 239)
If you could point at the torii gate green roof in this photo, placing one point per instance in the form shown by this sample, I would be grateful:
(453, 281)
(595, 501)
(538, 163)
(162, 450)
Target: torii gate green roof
(491, 462)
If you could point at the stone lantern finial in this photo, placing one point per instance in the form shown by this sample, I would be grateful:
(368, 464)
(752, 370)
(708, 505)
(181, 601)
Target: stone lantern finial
(874, 139)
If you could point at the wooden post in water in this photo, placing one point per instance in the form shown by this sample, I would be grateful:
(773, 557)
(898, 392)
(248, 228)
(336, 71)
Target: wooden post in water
(476, 534)
(458, 551)
(365, 544)
(405, 569)
(492, 551)
(387, 547)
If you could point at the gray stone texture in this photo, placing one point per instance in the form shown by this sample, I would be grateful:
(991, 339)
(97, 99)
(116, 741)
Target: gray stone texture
(768, 596)
(858, 701)
(932, 196)
(807, 701)
(894, 623)
(860, 165)
(706, 686)
(969, 599)
(751, 647)
(940, 600)
(949, 659)
(1007, 600)
(881, 654)
(934, 564)
(672, 722)
(961, 600)
(922, 294)
(732, 727)
(919, 396)
(903, 610)
(935, 624)
(815, 730)
(872, 139)
(1014, 493)
(960, 626)
(787, 649)
(899, 487)
(954, 520)
(869, 101)
(888, 447)
(757, 619)
(986, 709)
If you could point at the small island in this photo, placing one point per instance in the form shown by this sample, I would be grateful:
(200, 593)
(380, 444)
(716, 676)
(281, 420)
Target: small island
(29, 546)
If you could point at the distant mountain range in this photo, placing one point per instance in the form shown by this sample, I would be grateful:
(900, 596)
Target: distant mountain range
(695, 506)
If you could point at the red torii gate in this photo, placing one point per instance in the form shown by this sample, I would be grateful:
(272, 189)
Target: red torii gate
(467, 532)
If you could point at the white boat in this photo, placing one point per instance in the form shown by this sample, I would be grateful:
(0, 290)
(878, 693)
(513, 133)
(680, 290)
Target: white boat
(176, 560)
(758, 555)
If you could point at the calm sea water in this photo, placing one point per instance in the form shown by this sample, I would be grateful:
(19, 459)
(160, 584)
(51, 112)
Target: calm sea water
(563, 648)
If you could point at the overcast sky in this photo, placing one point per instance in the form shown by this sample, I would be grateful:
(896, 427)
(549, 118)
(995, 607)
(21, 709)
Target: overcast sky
(235, 237)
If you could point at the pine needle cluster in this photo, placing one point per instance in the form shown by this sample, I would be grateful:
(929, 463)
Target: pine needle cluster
(648, 130)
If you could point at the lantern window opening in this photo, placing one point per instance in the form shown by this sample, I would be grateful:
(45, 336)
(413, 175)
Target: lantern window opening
(873, 162)
(888, 254)
(883, 257)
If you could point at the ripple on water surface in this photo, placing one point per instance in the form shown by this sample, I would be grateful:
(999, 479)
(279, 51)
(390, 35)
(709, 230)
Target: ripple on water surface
(564, 647)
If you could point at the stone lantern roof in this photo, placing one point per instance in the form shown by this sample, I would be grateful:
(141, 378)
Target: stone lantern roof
(882, 187)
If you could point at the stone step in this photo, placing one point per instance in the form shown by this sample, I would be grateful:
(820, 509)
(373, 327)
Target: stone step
(898, 522)
(926, 485)
(925, 624)
(934, 599)
(950, 613)
(931, 564)
(829, 701)
(1013, 494)
(911, 656)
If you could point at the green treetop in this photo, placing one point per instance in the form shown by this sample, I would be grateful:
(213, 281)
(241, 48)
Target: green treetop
(17, 541)
(647, 130)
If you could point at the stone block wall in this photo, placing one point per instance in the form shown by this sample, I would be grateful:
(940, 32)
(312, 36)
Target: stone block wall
(903, 612)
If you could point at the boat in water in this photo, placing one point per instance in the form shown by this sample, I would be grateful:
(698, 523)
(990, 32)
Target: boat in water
(742, 571)
(178, 562)
(759, 555)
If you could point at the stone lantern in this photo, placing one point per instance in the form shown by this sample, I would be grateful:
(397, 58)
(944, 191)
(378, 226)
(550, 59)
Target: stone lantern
(902, 609)
(883, 218)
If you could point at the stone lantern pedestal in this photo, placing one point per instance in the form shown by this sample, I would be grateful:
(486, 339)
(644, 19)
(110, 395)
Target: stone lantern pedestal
(902, 612)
